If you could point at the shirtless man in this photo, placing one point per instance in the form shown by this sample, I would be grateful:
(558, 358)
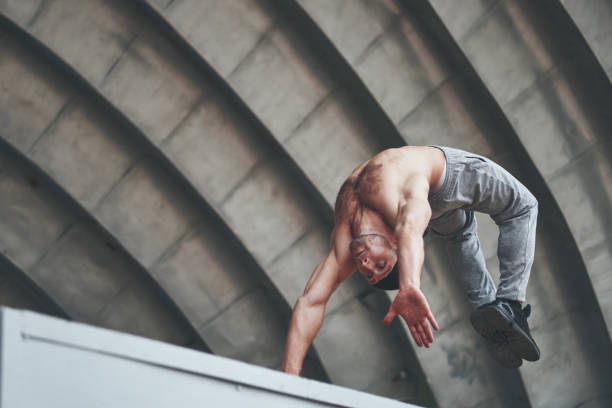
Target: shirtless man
(382, 212)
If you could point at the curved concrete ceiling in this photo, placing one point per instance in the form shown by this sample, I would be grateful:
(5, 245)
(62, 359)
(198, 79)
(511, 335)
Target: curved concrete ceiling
(169, 169)
(134, 195)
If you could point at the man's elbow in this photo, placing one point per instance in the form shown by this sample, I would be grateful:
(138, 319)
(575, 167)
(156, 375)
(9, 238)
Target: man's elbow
(413, 220)
(411, 229)
(301, 302)
(308, 300)
(309, 303)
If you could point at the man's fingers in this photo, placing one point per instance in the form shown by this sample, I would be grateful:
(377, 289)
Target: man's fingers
(432, 320)
(427, 330)
(415, 336)
(389, 317)
(424, 338)
(424, 341)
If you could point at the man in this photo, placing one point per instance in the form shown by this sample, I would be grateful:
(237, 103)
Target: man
(381, 214)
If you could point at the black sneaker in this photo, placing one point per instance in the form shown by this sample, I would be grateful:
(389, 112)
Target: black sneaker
(504, 322)
(496, 341)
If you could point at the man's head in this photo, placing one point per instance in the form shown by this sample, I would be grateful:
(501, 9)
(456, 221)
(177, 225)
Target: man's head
(374, 256)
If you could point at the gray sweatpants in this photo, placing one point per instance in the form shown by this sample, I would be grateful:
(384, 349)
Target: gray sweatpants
(475, 183)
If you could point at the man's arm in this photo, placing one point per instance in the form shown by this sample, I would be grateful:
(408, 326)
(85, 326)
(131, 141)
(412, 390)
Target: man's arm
(412, 219)
(309, 309)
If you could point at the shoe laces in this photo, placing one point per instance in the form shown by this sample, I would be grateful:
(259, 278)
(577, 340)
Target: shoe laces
(526, 311)
(522, 315)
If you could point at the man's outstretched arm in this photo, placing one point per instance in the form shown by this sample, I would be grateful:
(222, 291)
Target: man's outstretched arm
(412, 220)
(309, 309)
(410, 303)
(308, 315)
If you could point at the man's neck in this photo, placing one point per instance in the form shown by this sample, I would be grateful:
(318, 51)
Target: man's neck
(371, 222)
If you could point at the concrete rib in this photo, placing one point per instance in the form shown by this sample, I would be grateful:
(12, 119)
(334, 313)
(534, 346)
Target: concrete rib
(594, 20)
(255, 337)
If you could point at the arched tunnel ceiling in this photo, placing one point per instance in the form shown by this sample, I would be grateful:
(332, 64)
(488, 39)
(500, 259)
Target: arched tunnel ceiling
(169, 169)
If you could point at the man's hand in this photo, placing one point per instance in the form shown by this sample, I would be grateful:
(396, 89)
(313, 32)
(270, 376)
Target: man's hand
(410, 303)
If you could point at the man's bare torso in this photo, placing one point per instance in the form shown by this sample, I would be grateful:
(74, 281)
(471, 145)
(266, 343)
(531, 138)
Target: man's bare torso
(369, 198)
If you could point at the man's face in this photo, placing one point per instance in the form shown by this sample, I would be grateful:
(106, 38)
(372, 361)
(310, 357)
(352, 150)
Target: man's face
(374, 257)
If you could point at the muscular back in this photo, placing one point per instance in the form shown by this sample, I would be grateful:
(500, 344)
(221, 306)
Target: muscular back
(376, 187)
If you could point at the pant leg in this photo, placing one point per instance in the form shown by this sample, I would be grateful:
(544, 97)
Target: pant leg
(516, 247)
(459, 229)
(494, 191)
(476, 183)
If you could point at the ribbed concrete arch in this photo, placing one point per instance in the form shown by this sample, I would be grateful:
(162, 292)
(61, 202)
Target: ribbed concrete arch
(146, 200)
(550, 88)
(295, 88)
(71, 260)
(229, 125)
(290, 61)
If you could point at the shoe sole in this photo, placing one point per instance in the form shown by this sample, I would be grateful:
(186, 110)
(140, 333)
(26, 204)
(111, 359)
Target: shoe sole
(491, 322)
(497, 348)
(503, 354)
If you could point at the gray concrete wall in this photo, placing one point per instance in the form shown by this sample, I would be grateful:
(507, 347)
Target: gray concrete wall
(169, 169)
(153, 215)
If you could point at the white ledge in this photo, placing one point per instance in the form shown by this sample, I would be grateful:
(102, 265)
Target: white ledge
(52, 362)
